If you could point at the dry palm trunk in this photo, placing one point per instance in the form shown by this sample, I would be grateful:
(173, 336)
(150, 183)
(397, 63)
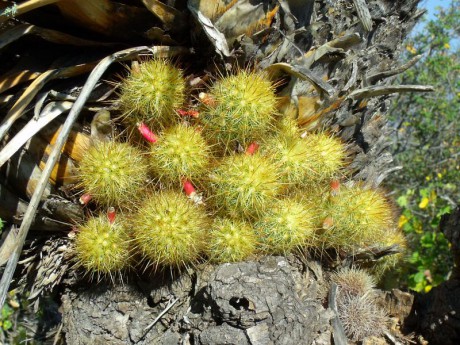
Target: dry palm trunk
(339, 59)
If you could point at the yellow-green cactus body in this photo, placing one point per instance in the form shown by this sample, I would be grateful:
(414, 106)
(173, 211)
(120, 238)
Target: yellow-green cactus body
(181, 152)
(357, 217)
(170, 230)
(231, 240)
(101, 247)
(152, 93)
(113, 173)
(244, 185)
(286, 225)
(242, 110)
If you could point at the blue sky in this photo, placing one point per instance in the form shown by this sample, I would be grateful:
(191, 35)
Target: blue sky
(431, 5)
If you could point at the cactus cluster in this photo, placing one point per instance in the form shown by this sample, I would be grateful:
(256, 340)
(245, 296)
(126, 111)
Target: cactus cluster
(270, 188)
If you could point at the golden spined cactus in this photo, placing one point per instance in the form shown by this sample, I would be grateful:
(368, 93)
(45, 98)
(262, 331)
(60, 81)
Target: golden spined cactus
(305, 161)
(102, 246)
(180, 152)
(240, 109)
(243, 185)
(113, 173)
(327, 152)
(286, 225)
(152, 93)
(356, 217)
(231, 240)
(170, 230)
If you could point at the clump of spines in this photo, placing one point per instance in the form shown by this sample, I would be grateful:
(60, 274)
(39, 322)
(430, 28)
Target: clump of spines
(152, 93)
(356, 217)
(328, 154)
(357, 307)
(308, 159)
(243, 185)
(361, 317)
(353, 281)
(113, 173)
(170, 230)
(181, 152)
(241, 110)
(102, 247)
(286, 225)
(231, 240)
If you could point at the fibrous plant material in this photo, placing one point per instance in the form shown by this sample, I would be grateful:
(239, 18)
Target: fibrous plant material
(231, 240)
(152, 93)
(286, 225)
(353, 281)
(244, 185)
(181, 152)
(361, 317)
(113, 173)
(240, 109)
(356, 217)
(170, 230)
(102, 247)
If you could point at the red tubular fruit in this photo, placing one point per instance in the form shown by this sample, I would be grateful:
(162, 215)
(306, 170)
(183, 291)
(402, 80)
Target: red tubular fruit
(111, 214)
(85, 198)
(252, 148)
(147, 133)
(188, 187)
(335, 187)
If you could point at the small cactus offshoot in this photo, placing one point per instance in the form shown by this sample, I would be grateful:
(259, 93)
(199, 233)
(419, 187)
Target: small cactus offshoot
(231, 240)
(242, 110)
(353, 281)
(286, 225)
(103, 246)
(243, 185)
(361, 317)
(113, 173)
(170, 230)
(180, 152)
(152, 93)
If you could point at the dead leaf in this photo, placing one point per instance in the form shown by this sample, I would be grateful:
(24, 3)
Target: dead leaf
(216, 37)
(18, 31)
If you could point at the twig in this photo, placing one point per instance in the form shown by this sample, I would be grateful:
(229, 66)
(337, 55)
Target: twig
(374, 91)
(95, 75)
(165, 310)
